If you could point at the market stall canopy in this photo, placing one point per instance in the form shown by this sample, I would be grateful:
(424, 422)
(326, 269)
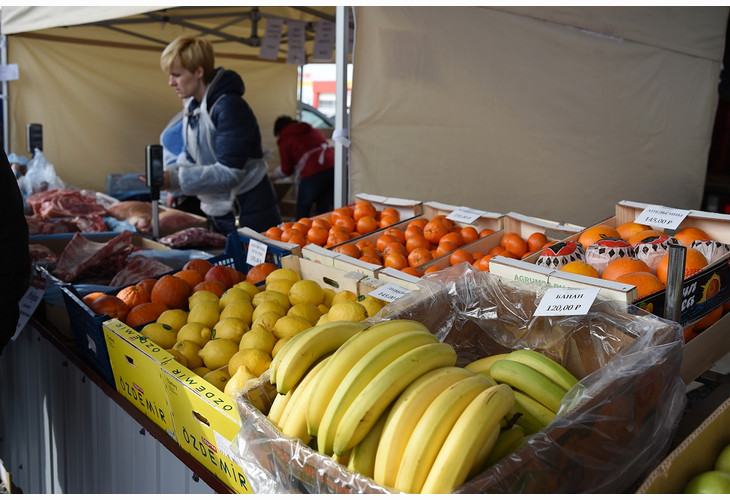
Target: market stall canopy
(554, 112)
(91, 76)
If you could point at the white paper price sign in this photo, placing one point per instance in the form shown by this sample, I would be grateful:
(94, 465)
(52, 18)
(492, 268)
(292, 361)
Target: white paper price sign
(655, 215)
(465, 214)
(566, 301)
(256, 253)
(389, 292)
(29, 302)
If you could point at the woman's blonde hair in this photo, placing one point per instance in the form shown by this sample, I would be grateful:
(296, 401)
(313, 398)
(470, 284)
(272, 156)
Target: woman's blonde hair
(190, 52)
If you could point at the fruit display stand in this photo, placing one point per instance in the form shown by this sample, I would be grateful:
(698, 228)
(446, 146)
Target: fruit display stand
(618, 419)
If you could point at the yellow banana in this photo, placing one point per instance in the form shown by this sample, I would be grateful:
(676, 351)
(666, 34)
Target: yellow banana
(431, 430)
(345, 358)
(467, 438)
(404, 415)
(528, 380)
(298, 354)
(506, 441)
(359, 376)
(382, 390)
(362, 456)
(482, 365)
(545, 365)
(293, 422)
(278, 407)
(534, 411)
(486, 449)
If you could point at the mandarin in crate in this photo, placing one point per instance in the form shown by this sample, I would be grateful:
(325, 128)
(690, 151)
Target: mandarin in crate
(419, 256)
(397, 233)
(111, 305)
(485, 232)
(453, 236)
(513, 243)
(536, 241)
(274, 233)
(145, 313)
(200, 265)
(419, 222)
(694, 261)
(317, 235)
(412, 271)
(396, 261)
(367, 224)
(417, 241)
(469, 234)
(91, 297)
(134, 295)
(434, 230)
(388, 220)
(259, 272)
(224, 274)
(364, 209)
(213, 286)
(350, 249)
(171, 291)
(459, 255)
(708, 320)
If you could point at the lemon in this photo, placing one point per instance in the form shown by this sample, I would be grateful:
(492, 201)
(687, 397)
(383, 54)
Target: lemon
(256, 360)
(178, 356)
(323, 319)
(241, 309)
(267, 320)
(306, 310)
(231, 295)
(206, 313)
(280, 285)
(306, 291)
(281, 273)
(372, 305)
(343, 296)
(201, 370)
(277, 346)
(219, 378)
(175, 318)
(238, 382)
(323, 309)
(288, 326)
(271, 295)
(189, 350)
(195, 332)
(328, 295)
(230, 328)
(347, 311)
(201, 296)
(267, 306)
(217, 352)
(258, 338)
(161, 334)
(248, 287)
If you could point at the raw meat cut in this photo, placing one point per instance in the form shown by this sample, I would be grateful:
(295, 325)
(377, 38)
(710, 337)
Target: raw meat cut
(67, 202)
(171, 220)
(194, 237)
(137, 268)
(139, 213)
(86, 259)
(42, 255)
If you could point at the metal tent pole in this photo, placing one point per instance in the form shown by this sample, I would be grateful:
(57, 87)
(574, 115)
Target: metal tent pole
(342, 120)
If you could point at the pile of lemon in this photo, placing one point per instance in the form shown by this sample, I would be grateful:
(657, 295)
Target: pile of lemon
(230, 341)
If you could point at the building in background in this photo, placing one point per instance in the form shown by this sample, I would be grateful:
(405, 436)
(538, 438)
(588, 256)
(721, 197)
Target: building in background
(317, 87)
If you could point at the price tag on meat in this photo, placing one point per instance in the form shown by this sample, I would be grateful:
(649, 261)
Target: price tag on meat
(655, 215)
(465, 214)
(256, 252)
(566, 301)
(389, 292)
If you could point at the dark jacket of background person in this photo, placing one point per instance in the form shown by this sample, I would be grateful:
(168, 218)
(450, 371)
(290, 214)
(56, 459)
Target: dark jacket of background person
(14, 255)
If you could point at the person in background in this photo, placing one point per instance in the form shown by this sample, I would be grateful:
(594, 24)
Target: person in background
(304, 152)
(14, 253)
(173, 151)
(19, 164)
(223, 164)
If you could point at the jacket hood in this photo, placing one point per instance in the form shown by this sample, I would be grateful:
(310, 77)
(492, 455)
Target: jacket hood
(225, 81)
(298, 128)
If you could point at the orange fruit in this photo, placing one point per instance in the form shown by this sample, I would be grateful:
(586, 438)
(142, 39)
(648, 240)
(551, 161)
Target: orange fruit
(216, 287)
(388, 220)
(446, 222)
(708, 320)
(686, 236)
(133, 295)
(419, 256)
(321, 222)
(317, 235)
(469, 234)
(445, 247)
(432, 269)
(637, 238)
(225, 274)
(171, 291)
(628, 229)
(336, 236)
(395, 260)
(345, 222)
(111, 305)
(200, 265)
(364, 243)
(91, 297)
(273, 233)
(483, 263)
(694, 261)
(598, 232)
(383, 240)
(580, 267)
(364, 209)
(413, 231)
(259, 272)
(434, 230)
(459, 255)
(624, 265)
(485, 232)
(646, 283)
(390, 213)
(300, 228)
(418, 241)
(298, 239)
(192, 276)
(419, 222)
(370, 251)
(147, 284)
(453, 236)
(536, 241)
(350, 249)
(367, 224)
(306, 221)
(395, 246)
(145, 313)
(372, 260)
(412, 271)
(513, 243)
(397, 233)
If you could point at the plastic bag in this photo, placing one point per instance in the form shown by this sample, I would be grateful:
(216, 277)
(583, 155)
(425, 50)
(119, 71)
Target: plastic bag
(614, 426)
(41, 176)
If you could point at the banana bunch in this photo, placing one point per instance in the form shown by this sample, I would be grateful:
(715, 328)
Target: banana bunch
(540, 384)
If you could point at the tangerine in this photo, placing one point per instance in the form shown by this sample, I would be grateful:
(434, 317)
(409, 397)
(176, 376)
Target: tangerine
(412, 271)
(419, 256)
(469, 234)
(646, 283)
(419, 222)
(147, 284)
(598, 232)
(370, 251)
(364, 209)
(483, 263)
(708, 320)
(383, 240)
(513, 243)
(259, 272)
(145, 313)
(345, 222)
(367, 224)
(111, 305)
(413, 231)
(686, 236)
(418, 241)
(397, 233)
(133, 295)
(395, 260)
(321, 222)
(171, 291)
(364, 243)
(318, 235)
(434, 230)
(485, 232)
(623, 265)
(306, 221)
(350, 249)
(298, 239)
(460, 255)
(395, 246)
(446, 222)
(391, 213)
(453, 236)
(372, 260)
(536, 241)
(387, 220)
(694, 261)
(445, 247)
(274, 233)
(433, 269)
(91, 297)
(336, 236)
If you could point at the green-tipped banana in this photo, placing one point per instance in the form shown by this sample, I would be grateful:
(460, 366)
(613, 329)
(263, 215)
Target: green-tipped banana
(345, 358)
(482, 365)
(528, 380)
(359, 376)
(506, 441)
(467, 438)
(362, 456)
(545, 365)
(298, 354)
(293, 422)
(432, 429)
(404, 415)
(532, 411)
(382, 390)
(277, 407)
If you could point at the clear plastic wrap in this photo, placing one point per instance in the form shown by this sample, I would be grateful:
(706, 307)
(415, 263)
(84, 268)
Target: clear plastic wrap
(612, 428)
